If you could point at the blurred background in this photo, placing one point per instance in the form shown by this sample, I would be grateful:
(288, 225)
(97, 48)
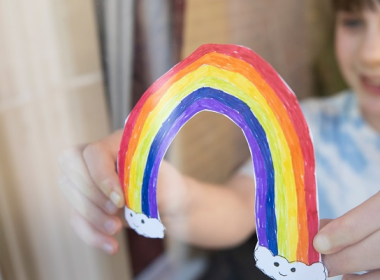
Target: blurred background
(70, 72)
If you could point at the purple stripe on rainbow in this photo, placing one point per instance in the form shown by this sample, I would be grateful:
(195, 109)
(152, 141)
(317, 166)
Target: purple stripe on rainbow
(174, 123)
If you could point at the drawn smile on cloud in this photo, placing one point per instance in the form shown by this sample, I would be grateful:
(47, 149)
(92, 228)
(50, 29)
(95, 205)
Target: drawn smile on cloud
(279, 268)
(137, 226)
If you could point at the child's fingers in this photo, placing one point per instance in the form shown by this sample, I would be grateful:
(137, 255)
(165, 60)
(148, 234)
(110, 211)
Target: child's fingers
(99, 200)
(101, 164)
(361, 256)
(373, 275)
(90, 212)
(77, 175)
(91, 236)
(350, 228)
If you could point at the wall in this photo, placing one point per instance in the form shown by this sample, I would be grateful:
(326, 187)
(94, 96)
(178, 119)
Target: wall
(210, 147)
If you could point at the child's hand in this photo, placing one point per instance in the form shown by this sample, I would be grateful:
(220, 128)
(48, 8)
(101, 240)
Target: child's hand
(351, 243)
(90, 183)
(190, 210)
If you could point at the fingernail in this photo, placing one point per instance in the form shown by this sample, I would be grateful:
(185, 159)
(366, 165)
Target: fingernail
(115, 198)
(110, 206)
(322, 243)
(110, 226)
(108, 248)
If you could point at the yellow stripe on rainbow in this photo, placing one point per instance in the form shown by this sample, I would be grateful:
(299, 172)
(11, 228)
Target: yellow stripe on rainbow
(209, 76)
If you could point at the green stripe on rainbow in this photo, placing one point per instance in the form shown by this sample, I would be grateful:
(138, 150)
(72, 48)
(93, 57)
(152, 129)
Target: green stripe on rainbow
(250, 81)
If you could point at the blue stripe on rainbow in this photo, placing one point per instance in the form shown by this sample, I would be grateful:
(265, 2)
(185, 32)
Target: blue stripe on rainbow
(238, 112)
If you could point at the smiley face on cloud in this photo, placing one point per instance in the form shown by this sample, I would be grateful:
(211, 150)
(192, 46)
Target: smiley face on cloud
(148, 227)
(279, 268)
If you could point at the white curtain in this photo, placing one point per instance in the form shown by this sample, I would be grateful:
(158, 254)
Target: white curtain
(51, 97)
(115, 25)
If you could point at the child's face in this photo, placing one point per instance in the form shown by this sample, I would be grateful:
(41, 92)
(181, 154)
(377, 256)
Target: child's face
(357, 49)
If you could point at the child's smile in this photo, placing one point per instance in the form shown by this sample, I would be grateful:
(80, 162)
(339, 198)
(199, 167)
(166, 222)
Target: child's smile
(371, 84)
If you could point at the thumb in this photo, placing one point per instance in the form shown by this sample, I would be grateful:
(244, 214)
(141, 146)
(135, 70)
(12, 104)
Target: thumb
(350, 228)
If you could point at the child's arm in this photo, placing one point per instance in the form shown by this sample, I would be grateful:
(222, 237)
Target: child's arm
(215, 216)
(351, 242)
(202, 214)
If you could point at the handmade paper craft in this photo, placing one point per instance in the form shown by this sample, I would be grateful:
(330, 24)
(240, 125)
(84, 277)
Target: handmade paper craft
(235, 82)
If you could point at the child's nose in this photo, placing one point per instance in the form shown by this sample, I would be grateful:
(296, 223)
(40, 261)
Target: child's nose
(370, 49)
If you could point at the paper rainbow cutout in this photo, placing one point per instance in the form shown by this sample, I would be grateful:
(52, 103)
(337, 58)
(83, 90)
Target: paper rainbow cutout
(236, 82)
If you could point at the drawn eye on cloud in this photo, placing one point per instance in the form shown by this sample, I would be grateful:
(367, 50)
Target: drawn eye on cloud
(148, 227)
(279, 268)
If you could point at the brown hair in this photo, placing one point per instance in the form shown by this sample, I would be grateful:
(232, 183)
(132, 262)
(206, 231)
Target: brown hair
(353, 5)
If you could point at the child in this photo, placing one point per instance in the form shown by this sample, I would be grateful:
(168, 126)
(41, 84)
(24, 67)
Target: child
(346, 132)
(346, 127)
(346, 135)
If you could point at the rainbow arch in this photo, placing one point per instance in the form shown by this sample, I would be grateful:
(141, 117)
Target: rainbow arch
(236, 82)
